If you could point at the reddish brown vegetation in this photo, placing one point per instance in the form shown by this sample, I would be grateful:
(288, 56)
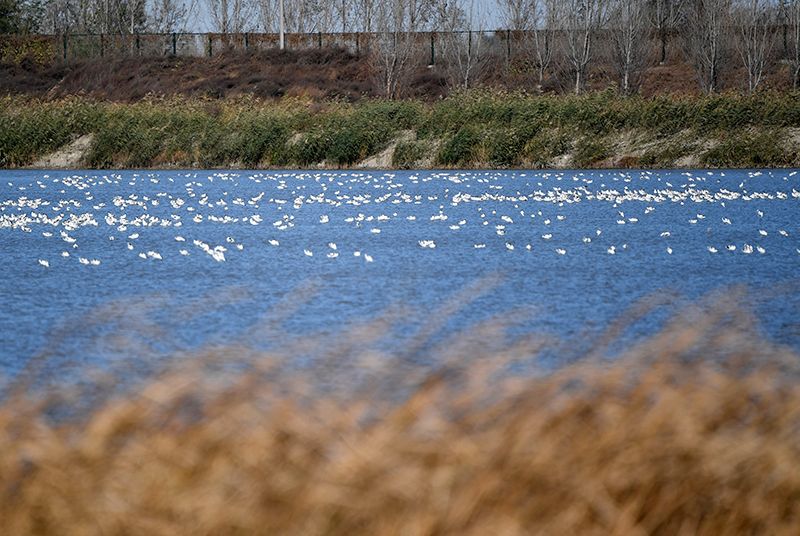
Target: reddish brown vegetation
(321, 73)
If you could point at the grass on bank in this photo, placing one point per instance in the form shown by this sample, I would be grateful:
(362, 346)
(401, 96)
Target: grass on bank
(479, 128)
(693, 430)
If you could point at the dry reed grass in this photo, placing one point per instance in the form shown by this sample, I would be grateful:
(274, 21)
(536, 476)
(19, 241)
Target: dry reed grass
(694, 430)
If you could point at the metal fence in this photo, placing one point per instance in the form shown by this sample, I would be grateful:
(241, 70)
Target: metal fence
(428, 45)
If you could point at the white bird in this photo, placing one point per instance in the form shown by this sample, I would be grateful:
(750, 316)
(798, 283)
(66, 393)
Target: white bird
(94, 262)
(308, 253)
(784, 233)
(331, 245)
(586, 239)
(726, 220)
(44, 263)
(65, 254)
(134, 236)
(130, 246)
(230, 240)
(730, 248)
(274, 242)
(184, 252)
(763, 232)
(712, 249)
(547, 236)
(323, 219)
(561, 251)
(669, 250)
(747, 248)
(83, 261)
(367, 258)
(356, 253)
(153, 255)
(510, 247)
(760, 249)
(142, 255)
(180, 239)
(375, 231)
(612, 250)
(760, 214)
(480, 246)
(665, 233)
(332, 255)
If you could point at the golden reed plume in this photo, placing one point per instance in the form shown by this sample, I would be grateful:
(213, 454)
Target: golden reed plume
(694, 430)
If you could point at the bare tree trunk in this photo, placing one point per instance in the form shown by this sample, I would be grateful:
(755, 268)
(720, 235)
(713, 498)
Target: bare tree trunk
(393, 47)
(705, 40)
(461, 46)
(627, 34)
(755, 38)
(664, 16)
(546, 15)
(792, 8)
(583, 18)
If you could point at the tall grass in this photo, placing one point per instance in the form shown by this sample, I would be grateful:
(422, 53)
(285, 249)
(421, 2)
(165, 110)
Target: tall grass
(693, 430)
(477, 128)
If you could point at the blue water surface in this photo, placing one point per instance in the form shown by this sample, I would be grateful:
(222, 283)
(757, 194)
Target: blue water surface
(193, 257)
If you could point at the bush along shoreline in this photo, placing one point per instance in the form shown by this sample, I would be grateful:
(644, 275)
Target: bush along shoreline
(478, 129)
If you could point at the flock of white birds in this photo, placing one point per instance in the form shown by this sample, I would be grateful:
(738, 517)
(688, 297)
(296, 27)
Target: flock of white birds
(129, 204)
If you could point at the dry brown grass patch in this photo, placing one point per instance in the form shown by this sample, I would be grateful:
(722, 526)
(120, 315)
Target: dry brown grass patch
(695, 430)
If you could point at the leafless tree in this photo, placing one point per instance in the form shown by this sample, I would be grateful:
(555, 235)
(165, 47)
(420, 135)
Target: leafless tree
(791, 9)
(462, 39)
(393, 47)
(167, 16)
(754, 20)
(627, 27)
(230, 16)
(546, 14)
(582, 19)
(664, 16)
(517, 15)
(57, 17)
(705, 39)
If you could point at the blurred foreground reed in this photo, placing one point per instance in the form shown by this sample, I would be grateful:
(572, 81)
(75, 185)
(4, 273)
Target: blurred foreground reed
(694, 430)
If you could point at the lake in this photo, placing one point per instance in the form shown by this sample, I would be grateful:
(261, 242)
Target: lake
(175, 260)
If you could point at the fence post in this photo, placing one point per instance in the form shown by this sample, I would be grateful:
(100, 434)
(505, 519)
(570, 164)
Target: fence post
(246, 41)
(209, 45)
(508, 48)
(174, 45)
(319, 36)
(65, 47)
(102, 43)
(137, 45)
(432, 52)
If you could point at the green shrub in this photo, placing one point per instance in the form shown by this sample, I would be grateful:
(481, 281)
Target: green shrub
(749, 150)
(407, 153)
(589, 151)
(460, 149)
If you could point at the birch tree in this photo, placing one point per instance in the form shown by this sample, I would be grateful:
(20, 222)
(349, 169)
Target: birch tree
(754, 21)
(583, 18)
(706, 41)
(627, 28)
(396, 21)
(791, 9)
